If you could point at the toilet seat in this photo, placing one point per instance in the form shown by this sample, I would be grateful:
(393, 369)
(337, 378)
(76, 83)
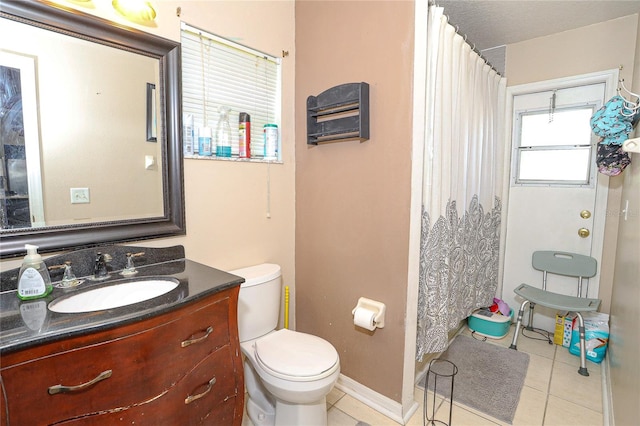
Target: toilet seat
(295, 356)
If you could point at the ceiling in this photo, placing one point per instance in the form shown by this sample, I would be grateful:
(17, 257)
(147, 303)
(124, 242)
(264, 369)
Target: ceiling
(496, 23)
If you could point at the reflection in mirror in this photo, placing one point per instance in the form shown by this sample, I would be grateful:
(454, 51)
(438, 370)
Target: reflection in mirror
(79, 126)
(80, 86)
(21, 202)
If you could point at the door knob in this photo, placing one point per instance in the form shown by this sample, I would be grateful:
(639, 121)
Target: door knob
(583, 232)
(585, 214)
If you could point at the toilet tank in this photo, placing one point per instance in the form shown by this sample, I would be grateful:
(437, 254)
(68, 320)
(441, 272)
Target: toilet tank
(259, 300)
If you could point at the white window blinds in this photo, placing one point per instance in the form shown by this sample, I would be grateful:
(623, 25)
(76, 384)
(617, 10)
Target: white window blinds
(220, 73)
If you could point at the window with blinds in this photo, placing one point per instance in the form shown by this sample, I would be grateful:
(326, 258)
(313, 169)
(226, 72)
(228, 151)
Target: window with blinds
(216, 73)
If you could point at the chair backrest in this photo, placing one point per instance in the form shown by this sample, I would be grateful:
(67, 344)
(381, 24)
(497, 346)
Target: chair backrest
(562, 263)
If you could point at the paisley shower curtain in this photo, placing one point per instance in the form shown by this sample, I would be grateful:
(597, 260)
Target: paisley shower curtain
(462, 181)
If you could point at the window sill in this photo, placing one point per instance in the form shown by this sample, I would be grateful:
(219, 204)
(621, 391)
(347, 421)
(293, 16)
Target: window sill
(233, 159)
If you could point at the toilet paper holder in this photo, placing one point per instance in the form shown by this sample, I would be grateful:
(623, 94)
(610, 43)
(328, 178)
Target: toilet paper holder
(372, 305)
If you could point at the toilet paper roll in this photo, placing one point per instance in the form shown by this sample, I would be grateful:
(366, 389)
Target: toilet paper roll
(364, 318)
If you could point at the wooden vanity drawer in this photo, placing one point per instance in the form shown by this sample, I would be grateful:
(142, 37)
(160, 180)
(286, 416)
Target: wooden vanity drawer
(144, 366)
(193, 401)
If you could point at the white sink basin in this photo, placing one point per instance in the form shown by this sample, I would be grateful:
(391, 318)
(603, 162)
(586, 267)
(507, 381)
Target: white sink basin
(113, 296)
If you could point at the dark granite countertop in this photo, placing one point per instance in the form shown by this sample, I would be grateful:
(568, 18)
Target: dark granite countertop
(25, 324)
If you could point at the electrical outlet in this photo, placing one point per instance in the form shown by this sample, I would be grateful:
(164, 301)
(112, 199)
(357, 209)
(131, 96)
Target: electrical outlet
(80, 196)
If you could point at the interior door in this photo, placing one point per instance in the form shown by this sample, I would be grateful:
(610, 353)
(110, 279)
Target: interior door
(552, 205)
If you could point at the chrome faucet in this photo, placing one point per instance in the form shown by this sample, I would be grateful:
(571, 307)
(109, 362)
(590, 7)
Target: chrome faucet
(69, 279)
(130, 269)
(100, 267)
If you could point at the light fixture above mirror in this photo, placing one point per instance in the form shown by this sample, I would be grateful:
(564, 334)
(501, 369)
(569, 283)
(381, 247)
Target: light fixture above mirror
(135, 10)
(138, 11)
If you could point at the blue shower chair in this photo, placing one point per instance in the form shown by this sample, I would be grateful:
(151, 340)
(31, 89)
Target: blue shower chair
(559, 263)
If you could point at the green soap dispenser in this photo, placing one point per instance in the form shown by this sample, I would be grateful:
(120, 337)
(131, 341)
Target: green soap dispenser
(34, 280)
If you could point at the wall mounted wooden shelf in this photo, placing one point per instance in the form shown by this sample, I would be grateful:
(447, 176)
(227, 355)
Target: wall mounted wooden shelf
(339, 113)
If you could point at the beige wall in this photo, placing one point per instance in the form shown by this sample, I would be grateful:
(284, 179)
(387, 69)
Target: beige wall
(226, 202)
(588, 49)
(581, 51)
(603, 46)
(625, 307)
(352, 202)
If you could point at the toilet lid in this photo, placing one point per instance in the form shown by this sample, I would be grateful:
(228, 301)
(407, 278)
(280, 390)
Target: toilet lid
(295, 354)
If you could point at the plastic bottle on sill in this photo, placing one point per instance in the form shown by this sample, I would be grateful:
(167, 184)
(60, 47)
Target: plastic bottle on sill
(189, 147)
(204, 142)
(270, 141)
(223, 134)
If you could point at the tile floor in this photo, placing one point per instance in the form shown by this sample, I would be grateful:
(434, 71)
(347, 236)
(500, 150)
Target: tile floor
(554, 394)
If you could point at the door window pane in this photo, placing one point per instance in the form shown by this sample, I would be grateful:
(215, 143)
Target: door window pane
(563, 127)
(555, 147)
(555, 165)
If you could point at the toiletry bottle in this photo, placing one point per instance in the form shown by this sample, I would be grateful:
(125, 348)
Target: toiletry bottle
(34, 280)
(223, 134)
(204, 142)
(189, 147)
(244, 135)
(270, 141)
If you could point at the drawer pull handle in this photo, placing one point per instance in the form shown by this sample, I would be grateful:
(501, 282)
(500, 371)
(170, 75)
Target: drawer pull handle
(188, 342)
(191, 398)
(66, 389)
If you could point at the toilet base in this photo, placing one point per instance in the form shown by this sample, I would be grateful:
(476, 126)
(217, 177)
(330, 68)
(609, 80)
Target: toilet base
(260, 406)
(258, 415)
(288, 414)
(265, 410)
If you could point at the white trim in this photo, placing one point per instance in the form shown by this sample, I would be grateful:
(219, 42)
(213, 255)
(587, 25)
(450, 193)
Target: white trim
(31, 124)
(376, 401)
(610, 78)
(607, 401)
(415, 213)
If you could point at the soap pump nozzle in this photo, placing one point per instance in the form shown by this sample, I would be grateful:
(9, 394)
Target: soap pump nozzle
(32, 257)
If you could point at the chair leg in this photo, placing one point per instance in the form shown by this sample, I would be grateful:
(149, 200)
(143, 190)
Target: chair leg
(583, 347)
(530, 323)
(514, 342)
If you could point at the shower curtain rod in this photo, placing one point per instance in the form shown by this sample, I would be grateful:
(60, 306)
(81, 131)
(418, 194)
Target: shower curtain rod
(473, 45)
(466, 39)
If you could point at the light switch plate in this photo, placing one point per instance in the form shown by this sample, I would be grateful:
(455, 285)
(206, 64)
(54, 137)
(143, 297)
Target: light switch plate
(80, 196)
(149, 162)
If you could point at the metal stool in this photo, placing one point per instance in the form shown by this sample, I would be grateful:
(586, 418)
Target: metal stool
(443, 369)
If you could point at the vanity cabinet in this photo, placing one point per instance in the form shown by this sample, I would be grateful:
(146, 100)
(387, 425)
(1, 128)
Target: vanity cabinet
(183, 367)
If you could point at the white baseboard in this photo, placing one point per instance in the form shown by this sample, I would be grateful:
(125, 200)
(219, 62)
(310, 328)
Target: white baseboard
(607, 402)
(376, 401)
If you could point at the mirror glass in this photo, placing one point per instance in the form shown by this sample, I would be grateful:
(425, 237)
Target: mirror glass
(89, 128)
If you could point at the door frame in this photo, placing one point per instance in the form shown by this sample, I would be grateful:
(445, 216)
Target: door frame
(610, 79)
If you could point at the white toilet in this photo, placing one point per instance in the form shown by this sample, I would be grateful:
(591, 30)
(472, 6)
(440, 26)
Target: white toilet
(287, 374)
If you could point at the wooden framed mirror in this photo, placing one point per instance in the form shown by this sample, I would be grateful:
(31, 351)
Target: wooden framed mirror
(105, 169)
